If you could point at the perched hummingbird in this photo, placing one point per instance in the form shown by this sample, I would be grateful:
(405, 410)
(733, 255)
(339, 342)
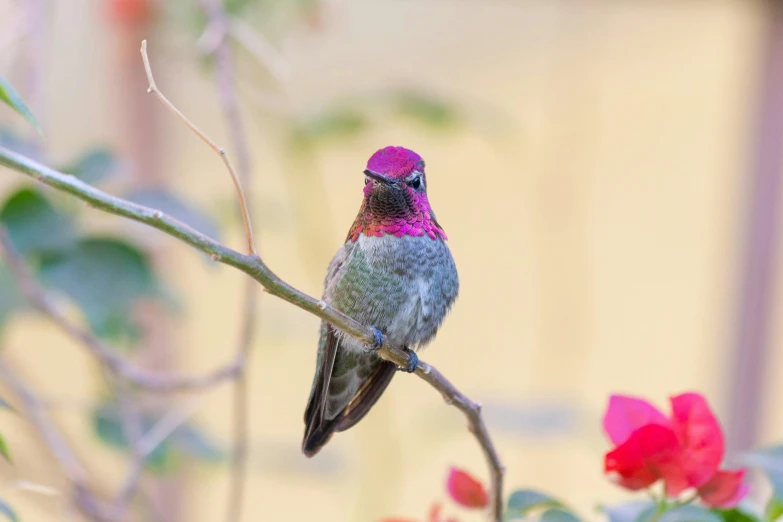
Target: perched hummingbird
(394, 273)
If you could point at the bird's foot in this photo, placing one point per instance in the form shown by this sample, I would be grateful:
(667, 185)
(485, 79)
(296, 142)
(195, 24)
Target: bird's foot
(378, 340)
(413, 362)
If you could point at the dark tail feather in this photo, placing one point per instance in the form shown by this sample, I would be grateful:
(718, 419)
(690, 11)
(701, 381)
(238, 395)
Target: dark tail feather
(317, 436)
(367, 396)
(319, 430)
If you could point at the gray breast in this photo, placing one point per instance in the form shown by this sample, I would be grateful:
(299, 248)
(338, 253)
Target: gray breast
(404, 286)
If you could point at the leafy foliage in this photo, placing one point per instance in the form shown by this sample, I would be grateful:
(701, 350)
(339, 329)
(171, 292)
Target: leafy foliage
(523, 501)
(558, 515)
(10, 97)
(105, 277)
(4, 451)
(424, 109)
(774, 509)
(34, 225)
(737, 515)
(347, 118)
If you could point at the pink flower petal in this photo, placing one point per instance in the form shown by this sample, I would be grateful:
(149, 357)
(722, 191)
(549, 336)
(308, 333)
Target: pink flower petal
(466, 490)
(627, 414)
(701, 438)
(649, 454)
(725, 489)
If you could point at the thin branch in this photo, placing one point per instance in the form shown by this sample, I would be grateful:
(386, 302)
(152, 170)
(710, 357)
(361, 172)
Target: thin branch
(241, 408)
(224, 72)
(254, 266)
(153, 88)
(57, 445)
(132, 428)
(40, 300)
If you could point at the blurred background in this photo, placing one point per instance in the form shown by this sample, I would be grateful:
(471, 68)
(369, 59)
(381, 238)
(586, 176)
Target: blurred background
(607, 173)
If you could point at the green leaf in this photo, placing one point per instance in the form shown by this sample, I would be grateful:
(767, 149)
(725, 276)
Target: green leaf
(6, 510)
(523, 501)
(425, 109)
(4, 451)
(172, 205)
(689, 513)
(770, 460)
(11, 98)
(338, 123)
(774, 509)
(105, 277)
(558, 515)
(736, 515)
(34, 225)
(94, 166)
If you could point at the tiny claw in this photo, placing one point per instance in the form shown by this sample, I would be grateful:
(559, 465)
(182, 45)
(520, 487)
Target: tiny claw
(413, 362)
(377, 339)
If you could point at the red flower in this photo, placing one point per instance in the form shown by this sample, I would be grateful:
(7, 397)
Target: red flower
(684, 451)
(132, 12)
(466, 490)
(725, 489)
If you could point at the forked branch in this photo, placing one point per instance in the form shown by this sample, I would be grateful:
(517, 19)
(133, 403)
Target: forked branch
(253, 265)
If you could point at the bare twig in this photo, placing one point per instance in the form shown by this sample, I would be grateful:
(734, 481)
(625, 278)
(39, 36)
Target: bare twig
(132, 428)
(153, 88)
(57, 445)
(241, 409)
(225, 78)
(254, 266)
(478, 428)
(224, 68)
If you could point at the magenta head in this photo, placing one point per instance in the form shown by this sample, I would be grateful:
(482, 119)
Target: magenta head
(395, 163)
(395, 198)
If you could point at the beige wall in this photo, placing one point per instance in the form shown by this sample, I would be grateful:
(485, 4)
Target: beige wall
(593, 208)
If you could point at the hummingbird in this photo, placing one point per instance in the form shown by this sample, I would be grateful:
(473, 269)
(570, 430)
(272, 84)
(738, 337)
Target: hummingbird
(394, 273)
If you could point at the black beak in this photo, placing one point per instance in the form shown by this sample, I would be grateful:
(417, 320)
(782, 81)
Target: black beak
(379, 177)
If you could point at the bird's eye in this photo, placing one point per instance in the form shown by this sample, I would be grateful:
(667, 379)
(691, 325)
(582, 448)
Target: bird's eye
(366, 180)
(415, 182)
